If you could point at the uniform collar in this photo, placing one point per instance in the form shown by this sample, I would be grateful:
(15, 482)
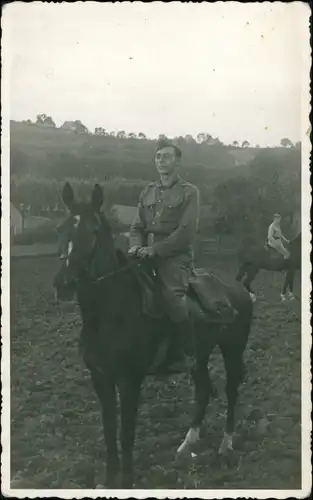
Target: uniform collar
(176, 180)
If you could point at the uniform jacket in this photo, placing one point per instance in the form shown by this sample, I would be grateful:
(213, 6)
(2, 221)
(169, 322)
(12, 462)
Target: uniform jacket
(167, 218)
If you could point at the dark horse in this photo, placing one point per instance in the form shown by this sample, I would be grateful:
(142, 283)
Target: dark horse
(253, 258)
(119, 341)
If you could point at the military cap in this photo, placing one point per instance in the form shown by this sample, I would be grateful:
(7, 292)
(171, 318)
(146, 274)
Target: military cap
(165, 143)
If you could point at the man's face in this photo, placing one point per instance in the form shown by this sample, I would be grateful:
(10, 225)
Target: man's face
(277, 220)
(166, 162)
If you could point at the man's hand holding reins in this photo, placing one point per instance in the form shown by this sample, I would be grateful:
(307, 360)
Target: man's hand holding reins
(133, 250)
(146, 252)
(141, 252)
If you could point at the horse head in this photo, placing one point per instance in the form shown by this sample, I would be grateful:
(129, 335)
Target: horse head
(84, 240)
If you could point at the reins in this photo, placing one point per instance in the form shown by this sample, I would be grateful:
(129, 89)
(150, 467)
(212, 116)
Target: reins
(117, 271)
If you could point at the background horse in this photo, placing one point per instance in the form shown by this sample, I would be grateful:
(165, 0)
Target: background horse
(253, 258)
(119, 341)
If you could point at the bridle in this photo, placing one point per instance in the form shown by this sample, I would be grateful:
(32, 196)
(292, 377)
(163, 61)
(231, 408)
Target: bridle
(100, 279)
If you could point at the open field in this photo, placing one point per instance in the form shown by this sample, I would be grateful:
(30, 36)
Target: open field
(56, 428)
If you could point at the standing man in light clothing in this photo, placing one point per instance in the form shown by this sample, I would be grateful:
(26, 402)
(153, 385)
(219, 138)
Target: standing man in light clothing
(164, 229)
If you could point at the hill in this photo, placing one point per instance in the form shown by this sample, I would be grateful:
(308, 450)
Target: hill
(46, 151)
(239, 184)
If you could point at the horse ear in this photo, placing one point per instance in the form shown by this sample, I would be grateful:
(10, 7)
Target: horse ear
(97, 197)
(68, 195)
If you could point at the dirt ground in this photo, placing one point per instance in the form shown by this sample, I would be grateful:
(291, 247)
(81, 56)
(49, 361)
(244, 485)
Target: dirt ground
(56, 433)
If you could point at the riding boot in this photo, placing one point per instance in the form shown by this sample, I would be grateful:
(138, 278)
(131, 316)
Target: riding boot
(181, 351)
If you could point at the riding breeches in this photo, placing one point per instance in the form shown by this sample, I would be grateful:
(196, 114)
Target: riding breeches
(174, 275)
(279, 247)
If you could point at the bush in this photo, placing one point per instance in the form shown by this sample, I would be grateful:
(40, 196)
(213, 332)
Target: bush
(38, 193)
(41, 234)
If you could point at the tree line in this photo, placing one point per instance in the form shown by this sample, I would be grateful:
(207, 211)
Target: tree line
(237, 199)
(76, 126)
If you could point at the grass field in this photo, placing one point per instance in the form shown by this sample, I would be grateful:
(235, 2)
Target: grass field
(56, 428)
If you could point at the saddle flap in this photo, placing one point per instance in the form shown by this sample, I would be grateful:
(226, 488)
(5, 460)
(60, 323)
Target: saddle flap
(207, 296)
(150, 292)
(210, 292)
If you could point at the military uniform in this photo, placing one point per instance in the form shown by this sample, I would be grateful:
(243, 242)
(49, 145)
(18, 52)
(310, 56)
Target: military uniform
(167, 220)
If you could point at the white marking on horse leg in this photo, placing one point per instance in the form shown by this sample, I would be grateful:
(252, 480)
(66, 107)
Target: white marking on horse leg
(69, 251)
(192, 437)
(291, 296)
(226, 444)
(282, 297)
(253, 296)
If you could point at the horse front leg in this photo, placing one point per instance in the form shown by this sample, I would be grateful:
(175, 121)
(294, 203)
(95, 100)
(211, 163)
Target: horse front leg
(250, 276)
(105, 389)
(129, 389)
(291, 283)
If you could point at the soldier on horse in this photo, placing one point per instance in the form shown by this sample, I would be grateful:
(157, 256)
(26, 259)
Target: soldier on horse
(164, 229)
(275, 237)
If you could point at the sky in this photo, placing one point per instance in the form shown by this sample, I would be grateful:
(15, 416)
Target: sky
(230, 69)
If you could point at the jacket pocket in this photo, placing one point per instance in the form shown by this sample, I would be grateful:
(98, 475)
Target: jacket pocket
(149, 207)
(172, 209)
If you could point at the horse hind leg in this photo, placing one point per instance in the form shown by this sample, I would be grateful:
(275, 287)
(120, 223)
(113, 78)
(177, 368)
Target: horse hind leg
(287, 291)
(203, 390)
(235, 371)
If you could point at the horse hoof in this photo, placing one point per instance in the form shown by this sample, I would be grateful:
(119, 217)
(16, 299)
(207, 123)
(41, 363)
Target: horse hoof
(283, 298)
(191, 438)
(224, 449)
(253, 296)
(226, 444)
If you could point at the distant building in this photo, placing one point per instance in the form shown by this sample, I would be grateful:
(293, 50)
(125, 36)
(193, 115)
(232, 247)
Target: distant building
(16, 221)
(74, 126)
(125, 214)
(69, 126)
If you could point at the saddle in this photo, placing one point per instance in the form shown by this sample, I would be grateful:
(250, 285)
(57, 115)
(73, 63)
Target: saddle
(272, 252)
(206, 295)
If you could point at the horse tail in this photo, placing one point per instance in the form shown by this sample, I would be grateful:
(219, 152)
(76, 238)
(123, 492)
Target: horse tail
(241, 262)
(241, 272)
